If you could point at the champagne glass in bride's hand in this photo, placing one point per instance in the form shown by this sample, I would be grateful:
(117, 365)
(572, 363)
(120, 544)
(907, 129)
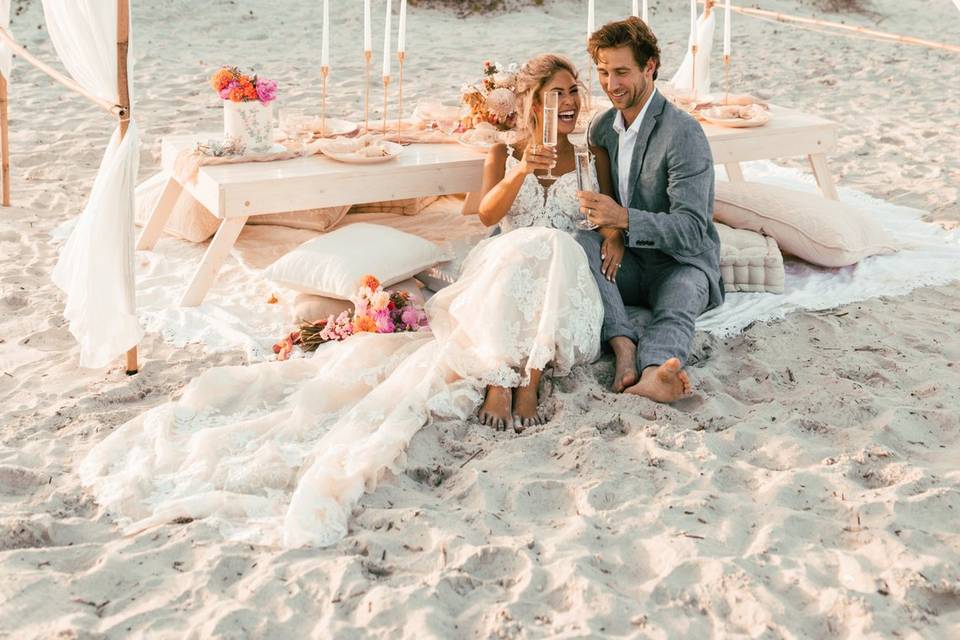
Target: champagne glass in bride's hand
(581, 157)
(551, 103)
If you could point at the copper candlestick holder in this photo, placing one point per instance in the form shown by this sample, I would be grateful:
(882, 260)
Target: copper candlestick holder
(324, 73)
(368, 57)
(386, 84)
(401, 58)
(726, 78)
(693, 70)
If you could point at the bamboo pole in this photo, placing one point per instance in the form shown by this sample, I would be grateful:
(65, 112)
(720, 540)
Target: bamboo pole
(880, 35)
(115, 109)
(123, 93)
(5, 142)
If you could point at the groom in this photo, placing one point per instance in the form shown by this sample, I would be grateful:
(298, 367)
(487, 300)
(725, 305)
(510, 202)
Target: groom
(660, 222)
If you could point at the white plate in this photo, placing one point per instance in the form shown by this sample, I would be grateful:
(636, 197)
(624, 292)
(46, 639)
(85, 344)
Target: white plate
(350, 158)
(334, 127)
(736, 123)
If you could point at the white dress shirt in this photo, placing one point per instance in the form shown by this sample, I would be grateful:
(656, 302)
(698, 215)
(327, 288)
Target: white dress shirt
(625, 146)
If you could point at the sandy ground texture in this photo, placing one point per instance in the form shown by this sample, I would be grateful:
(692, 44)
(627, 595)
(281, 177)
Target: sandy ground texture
(808, 490)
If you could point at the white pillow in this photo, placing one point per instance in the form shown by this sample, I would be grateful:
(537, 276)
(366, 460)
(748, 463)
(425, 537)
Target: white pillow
(332, 264)
(811, 227)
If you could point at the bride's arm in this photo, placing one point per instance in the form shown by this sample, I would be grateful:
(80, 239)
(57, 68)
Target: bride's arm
(606, 184)
(613, 247)
(500, 187)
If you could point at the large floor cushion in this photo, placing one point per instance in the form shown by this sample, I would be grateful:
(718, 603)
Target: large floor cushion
(749, 261)
(821, 231)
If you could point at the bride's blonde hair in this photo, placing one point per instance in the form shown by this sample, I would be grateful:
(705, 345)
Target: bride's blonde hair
(532, 77)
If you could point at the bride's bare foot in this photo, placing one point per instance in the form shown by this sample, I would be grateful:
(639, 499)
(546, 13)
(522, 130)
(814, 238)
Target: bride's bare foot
(625, 373)
(495, 411)
(526, 404)
(665, 383)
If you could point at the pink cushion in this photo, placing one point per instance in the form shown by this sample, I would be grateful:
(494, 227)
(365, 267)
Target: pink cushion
(811, 227)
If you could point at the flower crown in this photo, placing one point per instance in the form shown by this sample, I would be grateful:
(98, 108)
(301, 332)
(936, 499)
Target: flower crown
(493, 99)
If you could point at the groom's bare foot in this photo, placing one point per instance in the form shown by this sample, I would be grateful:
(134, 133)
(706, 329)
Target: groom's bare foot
(625, 373)
(665, 383)
(496, 409)
(526, 404)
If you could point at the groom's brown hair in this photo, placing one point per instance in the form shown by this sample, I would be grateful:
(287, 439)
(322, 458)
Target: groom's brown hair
(632, 32)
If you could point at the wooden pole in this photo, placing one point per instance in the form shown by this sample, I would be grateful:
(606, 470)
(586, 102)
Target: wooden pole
(115, 109)
(880, 35)
(123, 92)
(5, 142)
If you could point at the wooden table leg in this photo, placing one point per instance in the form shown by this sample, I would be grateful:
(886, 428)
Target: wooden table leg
(471, 204)
(818, 162)
(159, 216)
(734, 172)
(206, 273)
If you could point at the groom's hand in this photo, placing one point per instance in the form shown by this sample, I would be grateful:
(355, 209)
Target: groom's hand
(602, 210)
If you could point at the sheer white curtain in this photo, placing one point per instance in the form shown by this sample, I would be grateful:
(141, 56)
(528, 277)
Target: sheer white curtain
(95, 268)
(683, 78)
(6, 56)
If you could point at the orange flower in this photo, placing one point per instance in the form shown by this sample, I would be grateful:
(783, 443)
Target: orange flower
(364, 324)
(249, 91)
(221, 79)
(370, 281)
(237, 94)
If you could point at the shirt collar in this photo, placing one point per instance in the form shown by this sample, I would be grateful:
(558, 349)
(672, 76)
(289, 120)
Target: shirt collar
(619, 125)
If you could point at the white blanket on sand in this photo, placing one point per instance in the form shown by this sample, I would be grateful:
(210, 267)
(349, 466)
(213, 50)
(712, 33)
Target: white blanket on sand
(236, 315)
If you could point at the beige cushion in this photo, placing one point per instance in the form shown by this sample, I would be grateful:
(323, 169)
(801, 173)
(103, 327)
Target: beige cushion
(809, 226)
(332, 264)
(310, 308)
(749, 261)
(405, 207)
(189, 219)
(192, 221)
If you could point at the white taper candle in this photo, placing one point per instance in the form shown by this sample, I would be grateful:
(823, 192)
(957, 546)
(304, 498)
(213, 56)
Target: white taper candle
(726, 29)
(693, 22)
(636, 9)
(402, 36)
(645, 12)
(590, 18)
(325, 43)
(387, 53)
(367, 34)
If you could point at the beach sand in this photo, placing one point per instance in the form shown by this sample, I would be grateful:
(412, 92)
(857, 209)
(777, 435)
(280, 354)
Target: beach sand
(809, 489)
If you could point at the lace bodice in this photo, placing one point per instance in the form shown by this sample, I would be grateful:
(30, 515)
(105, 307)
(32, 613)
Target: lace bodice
(553, 206)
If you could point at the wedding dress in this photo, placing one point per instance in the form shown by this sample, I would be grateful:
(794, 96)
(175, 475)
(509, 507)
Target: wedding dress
(278, 453)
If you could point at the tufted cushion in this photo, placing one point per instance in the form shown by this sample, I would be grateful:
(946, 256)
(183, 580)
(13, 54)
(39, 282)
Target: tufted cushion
(405, 207)
(813, 228)
(749, 261)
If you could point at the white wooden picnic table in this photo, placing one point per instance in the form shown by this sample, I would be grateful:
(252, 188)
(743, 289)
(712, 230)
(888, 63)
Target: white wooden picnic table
(234, 192)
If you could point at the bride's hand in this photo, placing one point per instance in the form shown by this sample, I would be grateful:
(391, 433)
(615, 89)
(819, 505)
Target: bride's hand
(611, 252)
(537, 157)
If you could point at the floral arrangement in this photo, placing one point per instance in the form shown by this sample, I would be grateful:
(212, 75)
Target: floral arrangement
(231, 84)
(376, 310)
(494, 98)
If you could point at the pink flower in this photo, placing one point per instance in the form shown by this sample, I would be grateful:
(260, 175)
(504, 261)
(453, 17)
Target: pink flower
(411, 317)
(225, 92)
(266, 90)
(384, 323)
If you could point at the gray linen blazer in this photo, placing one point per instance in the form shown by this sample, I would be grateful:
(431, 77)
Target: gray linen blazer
(671, 188)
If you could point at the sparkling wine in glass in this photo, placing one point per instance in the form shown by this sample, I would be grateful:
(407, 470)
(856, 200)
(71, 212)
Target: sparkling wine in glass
(581, 156)
(551, 103)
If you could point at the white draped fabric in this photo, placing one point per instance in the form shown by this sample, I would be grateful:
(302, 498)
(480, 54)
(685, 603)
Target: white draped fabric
(6, 56)
(95, 268)
(683, 78)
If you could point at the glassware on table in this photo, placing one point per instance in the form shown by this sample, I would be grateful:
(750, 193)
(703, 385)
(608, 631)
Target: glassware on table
(581, 158)
(551, 104)
(294, 124)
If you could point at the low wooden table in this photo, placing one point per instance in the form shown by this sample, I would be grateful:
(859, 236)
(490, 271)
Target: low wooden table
(234, 192)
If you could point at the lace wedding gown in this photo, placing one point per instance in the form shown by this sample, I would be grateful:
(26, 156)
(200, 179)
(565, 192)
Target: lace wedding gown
(279, 453)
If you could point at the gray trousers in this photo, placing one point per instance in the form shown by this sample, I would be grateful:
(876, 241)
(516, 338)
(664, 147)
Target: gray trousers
(676, 294)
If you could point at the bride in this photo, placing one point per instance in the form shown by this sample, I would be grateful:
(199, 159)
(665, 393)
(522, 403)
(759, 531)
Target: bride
(280, 452)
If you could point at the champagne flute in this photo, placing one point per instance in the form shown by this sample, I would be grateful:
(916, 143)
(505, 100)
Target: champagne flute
(581, 156)
(551, 104)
